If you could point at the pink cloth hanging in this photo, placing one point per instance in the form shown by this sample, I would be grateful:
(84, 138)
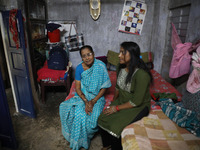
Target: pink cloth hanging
(193, 83)
(180, 63)
(175, 39)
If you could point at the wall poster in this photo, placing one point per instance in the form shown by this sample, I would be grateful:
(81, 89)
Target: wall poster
(133, 16)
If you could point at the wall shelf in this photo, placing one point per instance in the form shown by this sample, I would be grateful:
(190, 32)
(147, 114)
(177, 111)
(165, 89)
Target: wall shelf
(36, 19)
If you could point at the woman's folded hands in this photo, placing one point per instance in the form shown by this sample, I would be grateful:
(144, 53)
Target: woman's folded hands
(89, 107)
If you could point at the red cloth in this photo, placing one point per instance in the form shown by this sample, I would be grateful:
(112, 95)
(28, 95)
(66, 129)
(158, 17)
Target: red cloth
(160, 85)
(13, 26)
(49, 74)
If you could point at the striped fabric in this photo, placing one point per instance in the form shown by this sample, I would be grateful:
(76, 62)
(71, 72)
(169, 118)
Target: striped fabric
(182, 117)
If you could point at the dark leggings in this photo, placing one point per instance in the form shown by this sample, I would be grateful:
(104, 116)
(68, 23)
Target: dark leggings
(108, 139)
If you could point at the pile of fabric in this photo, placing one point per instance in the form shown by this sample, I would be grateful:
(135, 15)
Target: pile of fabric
(191, 98)
(187, 112)
(193, 84)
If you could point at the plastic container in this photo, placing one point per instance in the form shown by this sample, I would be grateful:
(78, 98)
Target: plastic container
(54, 36)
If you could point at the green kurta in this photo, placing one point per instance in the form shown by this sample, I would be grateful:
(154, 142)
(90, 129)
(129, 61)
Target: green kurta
(136, 92)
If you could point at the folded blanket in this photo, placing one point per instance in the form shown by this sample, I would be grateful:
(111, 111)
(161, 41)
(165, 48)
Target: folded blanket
(182, 117)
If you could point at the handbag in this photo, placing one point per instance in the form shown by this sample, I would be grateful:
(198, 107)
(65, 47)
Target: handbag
(74, 42)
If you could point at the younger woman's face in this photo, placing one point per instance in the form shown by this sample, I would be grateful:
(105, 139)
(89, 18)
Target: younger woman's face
(87, 56)
(124, 56)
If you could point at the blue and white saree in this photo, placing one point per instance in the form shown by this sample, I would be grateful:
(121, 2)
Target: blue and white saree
(77, 127)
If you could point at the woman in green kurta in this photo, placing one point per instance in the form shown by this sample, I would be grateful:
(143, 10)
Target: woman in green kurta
(131, 101)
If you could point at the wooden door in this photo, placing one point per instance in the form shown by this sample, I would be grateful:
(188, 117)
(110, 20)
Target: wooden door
(18, 65)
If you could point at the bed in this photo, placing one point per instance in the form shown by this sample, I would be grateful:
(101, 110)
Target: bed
(156, 131)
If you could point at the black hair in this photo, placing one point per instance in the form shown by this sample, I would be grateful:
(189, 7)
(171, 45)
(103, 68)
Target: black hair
(135, 61)
(88, 47)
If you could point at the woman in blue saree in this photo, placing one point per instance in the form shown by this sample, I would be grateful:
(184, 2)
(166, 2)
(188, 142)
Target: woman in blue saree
(79, 114)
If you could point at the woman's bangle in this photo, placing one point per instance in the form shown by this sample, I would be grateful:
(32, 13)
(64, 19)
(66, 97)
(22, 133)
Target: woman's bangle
(117, 108)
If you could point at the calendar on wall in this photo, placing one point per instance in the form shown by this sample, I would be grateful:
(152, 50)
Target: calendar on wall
(133, 16)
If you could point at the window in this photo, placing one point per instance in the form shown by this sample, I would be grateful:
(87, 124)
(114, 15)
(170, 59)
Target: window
(180, 16)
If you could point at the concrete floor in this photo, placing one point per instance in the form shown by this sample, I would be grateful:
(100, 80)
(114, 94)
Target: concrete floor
(44, 132)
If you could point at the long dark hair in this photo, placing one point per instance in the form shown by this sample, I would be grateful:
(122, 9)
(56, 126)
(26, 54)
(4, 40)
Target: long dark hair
(135, 61)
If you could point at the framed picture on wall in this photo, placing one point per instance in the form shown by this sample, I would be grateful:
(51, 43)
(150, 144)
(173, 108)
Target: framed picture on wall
(133, 16)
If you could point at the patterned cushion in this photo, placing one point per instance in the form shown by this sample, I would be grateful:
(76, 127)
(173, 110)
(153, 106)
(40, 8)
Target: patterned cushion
(112, 57)
(147, 57)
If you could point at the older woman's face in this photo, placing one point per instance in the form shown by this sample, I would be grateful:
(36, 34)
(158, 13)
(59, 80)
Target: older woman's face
(87, 56)
(124, 56)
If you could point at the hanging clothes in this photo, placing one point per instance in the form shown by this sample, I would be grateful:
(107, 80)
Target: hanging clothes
(180, 63)
(175, 39)
(13, 27)
(193, 83)
(52, 26)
